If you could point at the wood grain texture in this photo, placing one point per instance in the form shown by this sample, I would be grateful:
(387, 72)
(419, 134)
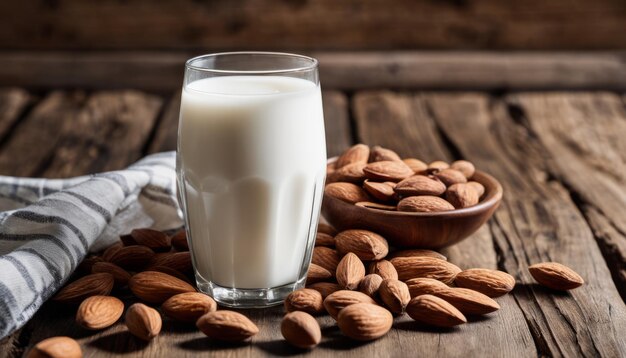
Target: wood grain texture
(166, 134)
(464, 70)
(403, 122)
(336, 122)
(323, 24)
(13, 102)
(537, 222)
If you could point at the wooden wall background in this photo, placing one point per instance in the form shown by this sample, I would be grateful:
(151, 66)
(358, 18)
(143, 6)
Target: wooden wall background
(312, 24)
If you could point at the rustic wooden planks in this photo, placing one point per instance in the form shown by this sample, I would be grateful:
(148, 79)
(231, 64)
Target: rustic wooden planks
(336, 122)
(13, 101)
(537, 222)
(166, 132)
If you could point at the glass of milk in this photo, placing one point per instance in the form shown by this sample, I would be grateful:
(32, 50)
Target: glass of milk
(251, 164)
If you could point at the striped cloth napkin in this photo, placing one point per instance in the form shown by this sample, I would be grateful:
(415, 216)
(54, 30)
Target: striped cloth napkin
(47, 227)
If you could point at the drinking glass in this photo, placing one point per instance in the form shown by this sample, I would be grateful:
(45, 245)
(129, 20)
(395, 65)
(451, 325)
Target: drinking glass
(251, 165)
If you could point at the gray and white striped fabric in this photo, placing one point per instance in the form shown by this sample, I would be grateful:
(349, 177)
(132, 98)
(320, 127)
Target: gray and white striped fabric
(48, 226)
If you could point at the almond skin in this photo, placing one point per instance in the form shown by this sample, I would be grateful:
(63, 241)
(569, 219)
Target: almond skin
(462, 195)
(450, 176)
(133, 257)
(370, 284)
(365, 244)
(338, 300)
(423, 266)
(395, 295)
(416, 165)
(438, 165)
(492, 283)
(179, 241)
(120, 276)
(143, 322)
(469, 302)
(56, 347)
(424, 203)
(188, 306)
(380, 191)
(87, 286)
(301, 330)
(351, 173)
(420, 185)
(85, 267)
(170, 271)
(98, 312)
(364, 321)
(156, 287)
(317, 273)
(226, 325)
(424, 286)
(434, 311)
(350, 271)
(324, 228)
(380, 154)
(322, 239)
(419, 252)
(387, 170)
(326, 258)
(378, 206)
(306, 300)
(347, 192)
(480, 189)
(324, 288)
(358, 153)
(157, 241)
(108, 253)
(556, 276)
(384, 268)
(179, 261)
(465, 167)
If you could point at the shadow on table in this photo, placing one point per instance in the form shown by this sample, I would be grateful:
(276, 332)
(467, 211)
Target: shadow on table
(205, 344)
(119, 342)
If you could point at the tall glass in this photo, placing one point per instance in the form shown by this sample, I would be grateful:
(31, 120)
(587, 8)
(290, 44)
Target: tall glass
(251, 165)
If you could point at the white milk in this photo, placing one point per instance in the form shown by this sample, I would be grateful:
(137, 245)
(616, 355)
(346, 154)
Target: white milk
(253, 159)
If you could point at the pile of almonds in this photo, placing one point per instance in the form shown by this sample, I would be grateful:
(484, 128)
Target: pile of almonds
(378, 178)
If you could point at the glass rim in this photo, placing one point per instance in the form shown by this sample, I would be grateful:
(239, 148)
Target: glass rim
(312, 66)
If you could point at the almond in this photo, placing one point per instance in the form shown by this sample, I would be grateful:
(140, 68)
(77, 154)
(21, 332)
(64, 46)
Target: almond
(322, 239)
(387, 170)
(120, 276)
(424, 286)
(364, 321)
(317, 273)
(170, 271)
(86, 266)
(465, 167)
(324, 288)
(331, 167)
(132, 257)
(418, 252)
(395, 295)
(350, 271)
(143, 322)
(227, 326)
(351, 173)
(380, 191)
(450, 176)
(462, 195)
(156, 287)
(437, 165)
(556, 276)
(378, 206)
(358, 153)
(87, 286)
(108, 253)
(365, 244)
(423, 266)
(188, 306)
(179, 261)
(179, 241)
(326, 229)
(380, 154)
(301, 330)
(56, 347)
(347, 192)
(128, 240)
(416, 165)
(326, 257)
(435, 311)
(384, 268)
(98, 312)
(338, 300)
(420, 185)
(492, 283)
(480, 189)
(157, 241)
(306, 300)
(370, 284)
(424, 204)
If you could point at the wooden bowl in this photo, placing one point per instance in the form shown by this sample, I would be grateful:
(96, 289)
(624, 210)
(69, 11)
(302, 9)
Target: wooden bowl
(432, 230)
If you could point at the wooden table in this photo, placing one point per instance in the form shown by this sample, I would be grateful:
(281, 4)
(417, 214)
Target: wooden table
(561, 157)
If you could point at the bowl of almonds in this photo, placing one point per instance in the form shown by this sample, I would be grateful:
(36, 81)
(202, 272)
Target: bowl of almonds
(412, 203)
